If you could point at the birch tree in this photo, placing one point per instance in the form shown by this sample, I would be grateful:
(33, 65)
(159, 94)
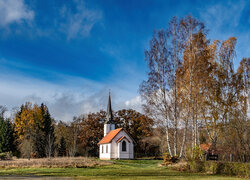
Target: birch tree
(160, 91)
(220, 93)
(194, 59)
(194, 74)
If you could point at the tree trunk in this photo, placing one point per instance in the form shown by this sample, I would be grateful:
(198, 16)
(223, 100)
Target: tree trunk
(168, 141)
(184, 139)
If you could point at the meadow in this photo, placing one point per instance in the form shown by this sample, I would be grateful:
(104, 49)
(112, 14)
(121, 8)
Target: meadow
(115, 169)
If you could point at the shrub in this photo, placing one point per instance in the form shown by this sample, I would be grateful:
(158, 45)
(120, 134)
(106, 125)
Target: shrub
(196, 160)
(182, 165)
(228, 168)
(6, 156)
(166, 158)
(2, 156)
(196, 165)
(174, 159)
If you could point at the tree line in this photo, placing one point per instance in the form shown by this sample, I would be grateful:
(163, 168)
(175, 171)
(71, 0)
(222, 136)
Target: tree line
(33, 133)
(194, 92)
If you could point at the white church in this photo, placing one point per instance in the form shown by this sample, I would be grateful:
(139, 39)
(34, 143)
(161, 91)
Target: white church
(116, 143)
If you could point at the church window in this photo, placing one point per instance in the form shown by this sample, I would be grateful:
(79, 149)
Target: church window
(124, 146)
(107, 148)
(102, 148)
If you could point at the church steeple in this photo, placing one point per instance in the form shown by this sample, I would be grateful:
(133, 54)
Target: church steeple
(109, 123)
(109, 115)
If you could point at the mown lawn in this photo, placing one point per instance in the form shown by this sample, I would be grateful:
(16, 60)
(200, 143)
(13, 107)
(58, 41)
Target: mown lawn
(121, 169)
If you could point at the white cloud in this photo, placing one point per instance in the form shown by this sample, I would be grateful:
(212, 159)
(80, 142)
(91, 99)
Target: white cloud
(134, 103)
(73, 20)
(223, 21)
(78, 22)
(14, 11)
(72, 97)
(225, 13)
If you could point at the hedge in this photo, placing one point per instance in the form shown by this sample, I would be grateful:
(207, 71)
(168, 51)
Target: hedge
(228, 168)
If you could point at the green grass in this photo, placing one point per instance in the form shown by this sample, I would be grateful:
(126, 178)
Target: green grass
(121, 169)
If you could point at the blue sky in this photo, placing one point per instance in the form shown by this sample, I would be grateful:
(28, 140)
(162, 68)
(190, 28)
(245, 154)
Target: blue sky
(68, 54)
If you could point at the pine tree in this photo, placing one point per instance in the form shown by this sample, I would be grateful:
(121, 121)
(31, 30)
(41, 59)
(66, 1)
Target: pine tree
(6, 136)
(62, 148)
(48, 129)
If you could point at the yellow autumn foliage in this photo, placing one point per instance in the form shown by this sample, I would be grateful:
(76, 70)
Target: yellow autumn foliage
(28, 117)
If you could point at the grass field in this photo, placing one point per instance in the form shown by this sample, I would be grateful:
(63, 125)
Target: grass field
(120, 169)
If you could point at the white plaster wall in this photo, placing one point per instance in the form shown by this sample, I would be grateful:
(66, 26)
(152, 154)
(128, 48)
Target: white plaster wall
(106, 129)
(120, 134)
(131, 150)
(114, 150)
(105, 154)
(129, 154)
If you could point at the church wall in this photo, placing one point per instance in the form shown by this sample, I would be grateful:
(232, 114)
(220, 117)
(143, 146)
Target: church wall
(129, 154)
(131, 150)
(105, 154)
(114, 154)
(120, 134)
(106, 129)
(112, 127)
(126, 154)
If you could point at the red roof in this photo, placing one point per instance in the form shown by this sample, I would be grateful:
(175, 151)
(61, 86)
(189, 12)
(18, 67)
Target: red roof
(121, 138)
(108, 138)
(205, 147)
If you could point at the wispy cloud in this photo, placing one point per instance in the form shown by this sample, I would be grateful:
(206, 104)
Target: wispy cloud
(14, 11)
(70, 96)
(222, 15)
(80, 21)
(224, 20)
(72, 21)
(135, 103)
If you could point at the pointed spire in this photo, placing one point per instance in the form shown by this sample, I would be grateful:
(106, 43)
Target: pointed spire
(109, 116)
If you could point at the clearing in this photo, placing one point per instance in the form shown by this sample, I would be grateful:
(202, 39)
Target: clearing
(117, 169)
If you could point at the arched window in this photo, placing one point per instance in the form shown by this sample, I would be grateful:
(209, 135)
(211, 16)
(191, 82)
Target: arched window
(124, 146)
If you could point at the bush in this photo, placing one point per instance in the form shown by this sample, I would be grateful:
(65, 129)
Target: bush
(167, 159)
(196, 160)
(174, 159)
(6, 156)
(196, 165)
(228, 168)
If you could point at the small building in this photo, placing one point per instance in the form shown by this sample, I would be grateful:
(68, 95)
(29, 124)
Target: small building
(210, 152)
(116, 143)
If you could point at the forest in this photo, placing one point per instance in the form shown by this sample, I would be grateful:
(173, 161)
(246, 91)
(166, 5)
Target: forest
(194, 94)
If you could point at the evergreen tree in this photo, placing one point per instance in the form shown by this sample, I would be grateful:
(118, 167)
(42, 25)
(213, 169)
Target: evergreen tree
(6, 135)
(48, 131)
(62, 148)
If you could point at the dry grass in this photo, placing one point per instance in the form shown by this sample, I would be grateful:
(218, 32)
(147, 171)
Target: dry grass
(64, 162)
(180, 166)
